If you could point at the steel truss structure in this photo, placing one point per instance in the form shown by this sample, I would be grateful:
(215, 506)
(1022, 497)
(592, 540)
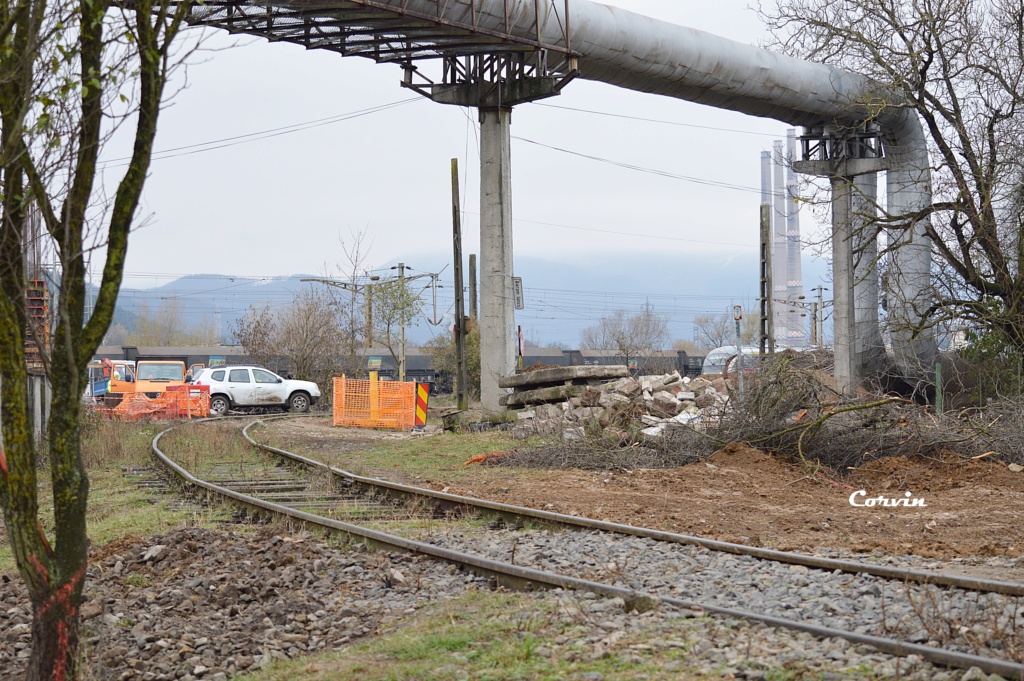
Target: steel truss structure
(385, 32)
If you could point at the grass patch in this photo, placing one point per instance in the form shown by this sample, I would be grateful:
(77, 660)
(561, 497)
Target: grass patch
(421, 457)
(484, 637)
(208, 444)
(118, 507)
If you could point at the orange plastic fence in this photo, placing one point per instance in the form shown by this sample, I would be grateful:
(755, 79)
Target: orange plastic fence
(374, 404)
(193, 400)
(179, 401)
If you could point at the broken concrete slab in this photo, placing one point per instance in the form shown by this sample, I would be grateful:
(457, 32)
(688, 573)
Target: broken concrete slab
(652, 432)
(664, 403)
(591, 397)
(563, 375)
(627, 386)
(611, 399)
(558, 393)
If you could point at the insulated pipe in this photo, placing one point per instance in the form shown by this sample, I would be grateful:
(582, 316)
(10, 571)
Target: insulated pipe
(640, 53)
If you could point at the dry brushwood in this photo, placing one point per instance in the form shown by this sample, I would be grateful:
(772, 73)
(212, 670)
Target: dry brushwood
(790, 410)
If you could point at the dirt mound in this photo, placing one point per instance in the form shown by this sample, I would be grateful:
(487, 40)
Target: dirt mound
(737, 454)
(948, 471)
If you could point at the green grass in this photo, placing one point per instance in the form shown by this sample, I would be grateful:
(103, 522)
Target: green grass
(484, 637)
(118, 508)
(420, 457)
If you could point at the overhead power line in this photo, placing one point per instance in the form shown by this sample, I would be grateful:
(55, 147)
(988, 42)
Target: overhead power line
(630, 234)
(264, 134)
(655, 120)
(642, 169)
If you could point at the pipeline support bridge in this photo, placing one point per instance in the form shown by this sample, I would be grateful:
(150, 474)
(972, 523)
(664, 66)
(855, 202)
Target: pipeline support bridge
(494, 54)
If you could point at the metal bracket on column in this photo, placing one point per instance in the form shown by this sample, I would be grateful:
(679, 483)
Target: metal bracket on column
(494, 80)
(832, 151)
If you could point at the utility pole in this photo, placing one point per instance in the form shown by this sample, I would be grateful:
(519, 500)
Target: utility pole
(737, 314)
(821, 315)
(368, 301)
(814, 323)
(472, 286)
(401, 356)
(462, 399)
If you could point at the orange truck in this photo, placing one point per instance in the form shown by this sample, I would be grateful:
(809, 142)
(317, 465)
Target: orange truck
(146, 376)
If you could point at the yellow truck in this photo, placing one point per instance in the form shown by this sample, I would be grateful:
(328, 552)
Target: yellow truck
(146, 376)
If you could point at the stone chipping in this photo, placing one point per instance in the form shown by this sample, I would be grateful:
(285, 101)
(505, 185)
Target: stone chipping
(209, 604)
(206, 604)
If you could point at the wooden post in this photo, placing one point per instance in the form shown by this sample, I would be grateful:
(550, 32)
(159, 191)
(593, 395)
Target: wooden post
(767, 339)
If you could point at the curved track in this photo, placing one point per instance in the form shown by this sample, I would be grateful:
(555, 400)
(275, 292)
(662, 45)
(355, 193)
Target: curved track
(362, 493)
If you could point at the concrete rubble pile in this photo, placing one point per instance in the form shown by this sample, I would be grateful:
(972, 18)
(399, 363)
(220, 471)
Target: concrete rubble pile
(575, 401)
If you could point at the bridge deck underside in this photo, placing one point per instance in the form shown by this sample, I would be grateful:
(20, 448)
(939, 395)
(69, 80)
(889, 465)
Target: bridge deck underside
(363, 28)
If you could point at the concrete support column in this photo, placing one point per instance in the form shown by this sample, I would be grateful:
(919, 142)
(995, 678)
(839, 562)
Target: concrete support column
(497, 308)
(909, 291)
(869, 346)
(847, 374)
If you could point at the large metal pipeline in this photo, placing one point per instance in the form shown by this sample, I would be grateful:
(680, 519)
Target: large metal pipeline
(640, 53)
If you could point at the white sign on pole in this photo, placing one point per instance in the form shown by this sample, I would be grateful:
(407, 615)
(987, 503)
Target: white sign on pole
(517, 292)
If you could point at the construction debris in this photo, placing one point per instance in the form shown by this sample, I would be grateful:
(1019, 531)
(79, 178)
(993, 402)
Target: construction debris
(571, 401)
(177, 402)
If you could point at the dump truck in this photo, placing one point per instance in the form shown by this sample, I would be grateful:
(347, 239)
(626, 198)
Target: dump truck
(147, 377)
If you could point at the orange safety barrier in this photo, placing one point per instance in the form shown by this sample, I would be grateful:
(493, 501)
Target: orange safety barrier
(374, 404)
(192, 400)
(179, 401)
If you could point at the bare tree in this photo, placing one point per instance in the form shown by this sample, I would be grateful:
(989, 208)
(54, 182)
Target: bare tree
(309, 336)
(306, 335)
(715, 330)
(689, 347)
(70, 71)
(351, 305)
(256, 332)
(632, 336)
(959, 65)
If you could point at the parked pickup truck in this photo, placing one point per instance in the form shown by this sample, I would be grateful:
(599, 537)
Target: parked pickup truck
(253, 386)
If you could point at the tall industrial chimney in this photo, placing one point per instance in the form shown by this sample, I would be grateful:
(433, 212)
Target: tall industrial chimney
(797, 335)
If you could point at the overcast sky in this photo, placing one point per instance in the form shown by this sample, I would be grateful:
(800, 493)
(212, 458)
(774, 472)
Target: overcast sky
(283, 204)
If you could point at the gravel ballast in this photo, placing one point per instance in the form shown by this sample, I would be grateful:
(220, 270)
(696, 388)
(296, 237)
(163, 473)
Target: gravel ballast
(990, 625)
(206, 604)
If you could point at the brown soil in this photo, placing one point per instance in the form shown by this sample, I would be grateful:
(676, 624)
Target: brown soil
(743, 495)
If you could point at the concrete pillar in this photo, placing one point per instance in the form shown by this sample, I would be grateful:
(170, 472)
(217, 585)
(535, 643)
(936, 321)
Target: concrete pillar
(908, 285)
(847, 375)
(869, 346)
(497, 308)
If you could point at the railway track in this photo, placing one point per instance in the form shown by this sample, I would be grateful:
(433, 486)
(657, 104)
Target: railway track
(950, 620)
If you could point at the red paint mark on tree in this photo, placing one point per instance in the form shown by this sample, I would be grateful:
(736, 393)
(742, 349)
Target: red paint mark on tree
(40, 568)
(62, 597)
(62, 651)
(3, 462)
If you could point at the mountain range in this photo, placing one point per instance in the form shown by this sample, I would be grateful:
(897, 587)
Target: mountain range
(561, 298)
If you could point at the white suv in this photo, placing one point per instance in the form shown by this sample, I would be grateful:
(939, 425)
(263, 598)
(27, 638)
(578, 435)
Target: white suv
(253, 386)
